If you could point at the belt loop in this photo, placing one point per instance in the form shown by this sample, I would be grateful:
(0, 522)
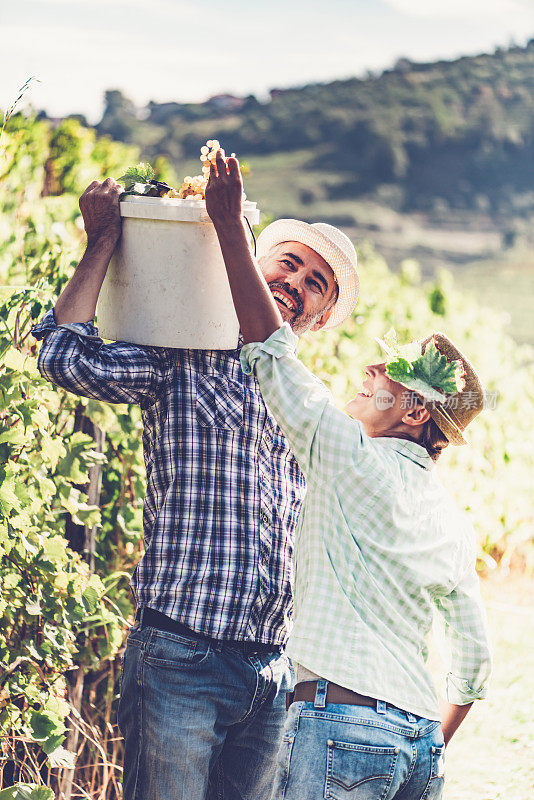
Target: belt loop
(320, 694)
(381, 707)
(141, 614)
(290, 698)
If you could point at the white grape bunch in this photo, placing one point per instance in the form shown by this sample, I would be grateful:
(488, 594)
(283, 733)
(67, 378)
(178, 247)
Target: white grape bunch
(195, 186)
(139, 179)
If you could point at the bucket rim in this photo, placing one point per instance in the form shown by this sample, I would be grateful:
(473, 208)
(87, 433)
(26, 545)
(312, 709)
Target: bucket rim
(176, 209)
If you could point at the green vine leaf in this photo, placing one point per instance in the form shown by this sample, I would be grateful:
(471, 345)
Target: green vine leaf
(434, 368)
(138, 173)
(429, 374)
(27, 791)
(62, 758)
(400, 370)
(8, 498)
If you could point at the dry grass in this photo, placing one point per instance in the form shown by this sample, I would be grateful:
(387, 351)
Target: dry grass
(490, 758)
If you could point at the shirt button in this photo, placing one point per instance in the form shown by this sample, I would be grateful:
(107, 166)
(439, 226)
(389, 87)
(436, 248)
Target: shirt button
(265, 518)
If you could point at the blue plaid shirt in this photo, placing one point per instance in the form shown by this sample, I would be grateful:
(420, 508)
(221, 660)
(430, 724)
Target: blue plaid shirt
(223, 488)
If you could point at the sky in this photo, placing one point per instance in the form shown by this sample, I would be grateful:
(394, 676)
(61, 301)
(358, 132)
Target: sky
(189, 50)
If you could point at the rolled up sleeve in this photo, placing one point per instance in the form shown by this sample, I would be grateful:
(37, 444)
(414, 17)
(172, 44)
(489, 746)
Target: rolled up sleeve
(466, 630)
(320, 435)
(74, 357)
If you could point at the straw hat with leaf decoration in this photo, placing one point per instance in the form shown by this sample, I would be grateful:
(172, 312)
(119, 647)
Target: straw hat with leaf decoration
(436, 370)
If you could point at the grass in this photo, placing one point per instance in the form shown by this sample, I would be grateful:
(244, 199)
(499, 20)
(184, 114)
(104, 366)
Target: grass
(490, 757)
(505, 283)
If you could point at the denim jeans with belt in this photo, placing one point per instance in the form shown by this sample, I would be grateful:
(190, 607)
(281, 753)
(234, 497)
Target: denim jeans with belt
(200, 720)
(348, 752)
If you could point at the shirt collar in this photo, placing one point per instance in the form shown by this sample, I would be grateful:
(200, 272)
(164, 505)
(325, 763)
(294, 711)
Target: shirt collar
(410, 450)
(241, 341)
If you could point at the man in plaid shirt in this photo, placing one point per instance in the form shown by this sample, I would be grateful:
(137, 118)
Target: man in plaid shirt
(204, 674)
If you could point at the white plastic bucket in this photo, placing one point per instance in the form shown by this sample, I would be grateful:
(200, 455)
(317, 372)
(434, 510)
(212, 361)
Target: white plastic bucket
(166, 284)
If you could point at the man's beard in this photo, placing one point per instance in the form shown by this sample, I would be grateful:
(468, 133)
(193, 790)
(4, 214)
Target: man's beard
(299, 322)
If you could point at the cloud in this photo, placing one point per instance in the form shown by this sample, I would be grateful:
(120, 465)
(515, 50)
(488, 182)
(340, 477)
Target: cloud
(165, 5)
(464, 9)
(185, 51)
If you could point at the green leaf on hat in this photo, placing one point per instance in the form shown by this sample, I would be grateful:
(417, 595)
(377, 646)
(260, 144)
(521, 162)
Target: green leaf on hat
(400, 370)
(408, 352)
(429, 374)
(434, 368)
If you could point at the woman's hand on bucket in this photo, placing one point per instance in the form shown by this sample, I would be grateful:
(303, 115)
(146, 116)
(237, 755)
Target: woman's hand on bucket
(99, 205)
(224, 192)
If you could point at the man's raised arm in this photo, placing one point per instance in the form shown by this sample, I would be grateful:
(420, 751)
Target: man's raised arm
(99, 205)
(73, 355)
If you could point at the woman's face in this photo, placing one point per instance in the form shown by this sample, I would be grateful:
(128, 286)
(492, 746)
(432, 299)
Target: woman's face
(381, 404)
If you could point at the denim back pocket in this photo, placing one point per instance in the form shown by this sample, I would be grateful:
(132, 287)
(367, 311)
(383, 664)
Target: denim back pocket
(173, 651)
(219, 402)
(434, 787)
(359, 771)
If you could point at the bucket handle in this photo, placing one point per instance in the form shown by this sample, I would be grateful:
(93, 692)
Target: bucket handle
(252, 234)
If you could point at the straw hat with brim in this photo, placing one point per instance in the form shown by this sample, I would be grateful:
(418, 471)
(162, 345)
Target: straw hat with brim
(453, 415)
(329, 242)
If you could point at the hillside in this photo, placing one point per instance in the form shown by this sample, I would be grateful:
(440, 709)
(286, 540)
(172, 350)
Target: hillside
(458, 133)
(433, 162)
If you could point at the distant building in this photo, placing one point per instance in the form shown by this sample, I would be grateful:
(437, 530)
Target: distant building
(403, 65)
(159, 113)
(226, 102)
(278, 92)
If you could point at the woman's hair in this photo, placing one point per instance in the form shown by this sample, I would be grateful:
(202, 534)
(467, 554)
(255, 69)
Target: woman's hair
(433, 439)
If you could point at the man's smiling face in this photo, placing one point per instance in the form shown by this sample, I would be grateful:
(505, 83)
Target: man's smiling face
(302, 283)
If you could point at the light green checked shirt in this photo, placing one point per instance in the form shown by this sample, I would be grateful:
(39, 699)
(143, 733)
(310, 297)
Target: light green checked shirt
(379, 546)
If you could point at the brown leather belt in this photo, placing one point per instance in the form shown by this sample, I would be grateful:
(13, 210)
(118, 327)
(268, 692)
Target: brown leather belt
(334, 694)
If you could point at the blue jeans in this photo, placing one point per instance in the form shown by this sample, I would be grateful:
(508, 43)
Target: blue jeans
(199, 719)
(346, 752)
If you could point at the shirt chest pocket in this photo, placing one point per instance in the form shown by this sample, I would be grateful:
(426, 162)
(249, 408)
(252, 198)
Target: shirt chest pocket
(219, 402)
